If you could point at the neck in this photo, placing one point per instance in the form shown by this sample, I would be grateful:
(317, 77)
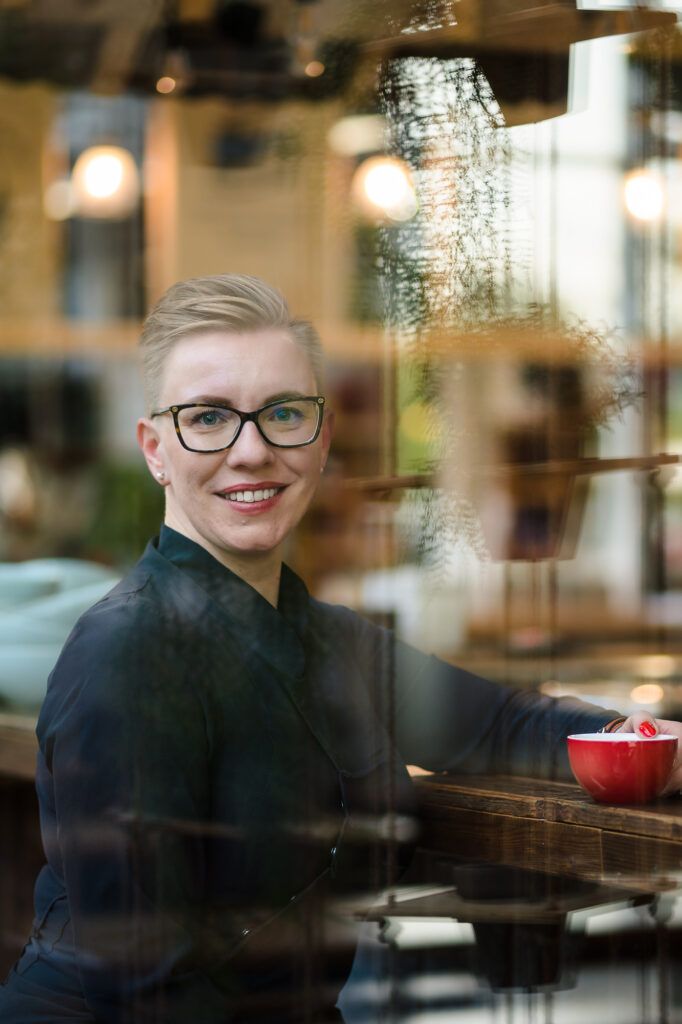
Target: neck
(263, 574)
(262, 571)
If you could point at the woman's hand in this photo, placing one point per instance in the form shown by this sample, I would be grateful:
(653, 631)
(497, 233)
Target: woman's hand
(646, 726)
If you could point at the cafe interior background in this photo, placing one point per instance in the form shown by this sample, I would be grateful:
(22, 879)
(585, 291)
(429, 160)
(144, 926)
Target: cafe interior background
(479, 204)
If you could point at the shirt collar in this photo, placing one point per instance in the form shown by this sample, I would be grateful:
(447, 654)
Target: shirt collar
(276, 633)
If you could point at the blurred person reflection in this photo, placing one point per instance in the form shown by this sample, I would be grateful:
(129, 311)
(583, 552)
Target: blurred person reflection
(219, 752)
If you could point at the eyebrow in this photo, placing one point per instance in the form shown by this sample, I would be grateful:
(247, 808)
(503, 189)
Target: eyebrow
(221, 400)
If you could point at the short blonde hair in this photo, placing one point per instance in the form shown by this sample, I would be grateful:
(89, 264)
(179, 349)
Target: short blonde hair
(224, 302)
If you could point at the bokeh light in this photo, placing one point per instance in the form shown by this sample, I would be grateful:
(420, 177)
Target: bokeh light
(647, 693)
(357, 134)
(58, 200)
(314, 68)
(656, 666)
(166, 85)
(383, 186)
(644, 195)
(105, 182)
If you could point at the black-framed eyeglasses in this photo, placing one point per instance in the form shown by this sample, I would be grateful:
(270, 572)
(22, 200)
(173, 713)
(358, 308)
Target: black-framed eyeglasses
(286, 423)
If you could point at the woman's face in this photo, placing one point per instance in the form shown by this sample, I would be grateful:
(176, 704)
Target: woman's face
(244, 371)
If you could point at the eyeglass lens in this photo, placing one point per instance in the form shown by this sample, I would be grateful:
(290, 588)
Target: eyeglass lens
(205, 428)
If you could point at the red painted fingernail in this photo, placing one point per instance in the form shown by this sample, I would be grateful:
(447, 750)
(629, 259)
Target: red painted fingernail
(647, 729)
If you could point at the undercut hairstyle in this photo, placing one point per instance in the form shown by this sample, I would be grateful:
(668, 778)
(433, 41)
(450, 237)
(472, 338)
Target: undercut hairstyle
(236, 303)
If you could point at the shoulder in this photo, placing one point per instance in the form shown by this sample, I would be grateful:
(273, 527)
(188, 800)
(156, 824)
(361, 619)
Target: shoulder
(119, 621)
(153, 608)
(336, 615)
(342, 623)
(141, 637)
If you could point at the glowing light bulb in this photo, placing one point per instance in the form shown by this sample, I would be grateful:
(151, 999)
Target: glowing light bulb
(644, 195)
(103, 175)
(383, 185)
(105, 182)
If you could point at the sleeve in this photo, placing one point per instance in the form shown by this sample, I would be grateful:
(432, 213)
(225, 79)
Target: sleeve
(446, 719)
(127, 748)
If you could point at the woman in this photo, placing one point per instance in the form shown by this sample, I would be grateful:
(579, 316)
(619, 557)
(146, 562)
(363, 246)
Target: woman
(218, 751)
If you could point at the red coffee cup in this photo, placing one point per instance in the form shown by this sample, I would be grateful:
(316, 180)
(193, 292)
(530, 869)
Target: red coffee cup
(622, 767)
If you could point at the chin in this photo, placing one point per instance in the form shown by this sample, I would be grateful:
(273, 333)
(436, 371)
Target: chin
(248, 546)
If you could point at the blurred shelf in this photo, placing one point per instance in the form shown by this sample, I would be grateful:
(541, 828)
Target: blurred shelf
(517, 25)
(389, 483)
(346, 343)
(563, 467)
(53, 335)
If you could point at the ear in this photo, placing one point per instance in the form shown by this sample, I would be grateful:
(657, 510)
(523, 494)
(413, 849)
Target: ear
(151, 447)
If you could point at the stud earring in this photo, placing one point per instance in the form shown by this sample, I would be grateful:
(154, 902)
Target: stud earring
(160, 475)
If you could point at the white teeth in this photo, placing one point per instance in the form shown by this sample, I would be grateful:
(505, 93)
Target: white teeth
(249, 496)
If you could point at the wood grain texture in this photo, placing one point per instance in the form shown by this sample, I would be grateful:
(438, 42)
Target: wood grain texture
(18, 747)
(624, 855)
(552, 827)
(549, 801)
(515, 841)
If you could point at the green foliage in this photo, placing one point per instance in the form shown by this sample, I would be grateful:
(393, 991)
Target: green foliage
(129, 510)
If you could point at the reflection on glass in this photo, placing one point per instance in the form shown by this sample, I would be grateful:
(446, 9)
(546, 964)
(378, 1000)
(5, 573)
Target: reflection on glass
(451, 194)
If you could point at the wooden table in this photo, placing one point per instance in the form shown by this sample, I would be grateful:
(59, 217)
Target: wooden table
(18, 747)
(548, 826)
(618, 854)
(553, 827)
(21, 854)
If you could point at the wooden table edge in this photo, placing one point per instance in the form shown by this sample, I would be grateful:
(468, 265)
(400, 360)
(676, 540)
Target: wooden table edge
(549, 801)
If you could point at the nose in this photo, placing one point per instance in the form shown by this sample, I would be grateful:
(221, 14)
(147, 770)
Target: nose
(250, 448)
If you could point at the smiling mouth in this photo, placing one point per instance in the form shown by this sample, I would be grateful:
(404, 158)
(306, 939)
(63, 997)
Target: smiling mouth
(249, 497)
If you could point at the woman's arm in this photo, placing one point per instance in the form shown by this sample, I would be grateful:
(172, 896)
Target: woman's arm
(461, 722)
(447, 719)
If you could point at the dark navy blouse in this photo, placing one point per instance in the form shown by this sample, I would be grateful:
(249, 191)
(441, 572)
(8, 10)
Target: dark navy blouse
(210, 764)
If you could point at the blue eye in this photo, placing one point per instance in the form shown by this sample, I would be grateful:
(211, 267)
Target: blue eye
(285, 414)
(208, 418)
